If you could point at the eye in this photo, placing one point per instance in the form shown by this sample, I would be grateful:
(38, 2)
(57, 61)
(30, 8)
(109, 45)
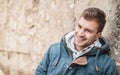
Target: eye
(88, 30)
(79, 26)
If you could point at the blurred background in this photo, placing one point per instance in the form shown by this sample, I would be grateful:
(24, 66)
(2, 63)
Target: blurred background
(28, 27)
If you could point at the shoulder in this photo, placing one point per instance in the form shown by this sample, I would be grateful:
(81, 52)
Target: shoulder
(106, 58)
(54, 49)
(107, 62)
(54, 46)
(57, 44)
(109, 65)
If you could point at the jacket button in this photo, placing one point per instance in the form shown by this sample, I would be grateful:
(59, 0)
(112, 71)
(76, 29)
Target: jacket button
(67, 66)
(70, 68)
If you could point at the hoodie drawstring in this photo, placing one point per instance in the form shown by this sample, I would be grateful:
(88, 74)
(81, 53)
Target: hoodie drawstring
(96, 66)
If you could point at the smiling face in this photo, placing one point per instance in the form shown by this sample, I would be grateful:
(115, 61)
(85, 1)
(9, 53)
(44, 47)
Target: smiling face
(86, 32)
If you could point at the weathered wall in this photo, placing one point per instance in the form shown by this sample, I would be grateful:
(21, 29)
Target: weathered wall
(28, 27)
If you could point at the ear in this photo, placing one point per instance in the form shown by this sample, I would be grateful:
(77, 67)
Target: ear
(98, 35)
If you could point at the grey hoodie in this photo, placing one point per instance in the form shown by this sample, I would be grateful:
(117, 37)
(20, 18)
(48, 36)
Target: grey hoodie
(69, 40)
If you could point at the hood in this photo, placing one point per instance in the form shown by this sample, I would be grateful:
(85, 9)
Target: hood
(101, 46)
(104, 49)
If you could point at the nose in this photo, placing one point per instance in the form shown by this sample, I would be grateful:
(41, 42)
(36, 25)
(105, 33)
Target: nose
(81, 32)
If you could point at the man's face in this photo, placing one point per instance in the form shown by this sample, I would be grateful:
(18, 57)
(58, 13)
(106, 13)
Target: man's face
(86, 33)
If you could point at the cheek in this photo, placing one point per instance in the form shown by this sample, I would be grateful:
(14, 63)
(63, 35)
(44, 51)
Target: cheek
(75, 33)
(91, 37)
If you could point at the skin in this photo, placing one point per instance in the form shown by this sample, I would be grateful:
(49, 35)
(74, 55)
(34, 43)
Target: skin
(86, 32)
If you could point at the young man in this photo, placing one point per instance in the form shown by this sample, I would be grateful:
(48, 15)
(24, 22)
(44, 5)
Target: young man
(82, 51)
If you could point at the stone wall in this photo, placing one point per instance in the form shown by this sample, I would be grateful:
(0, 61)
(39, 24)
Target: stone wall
(28, 27)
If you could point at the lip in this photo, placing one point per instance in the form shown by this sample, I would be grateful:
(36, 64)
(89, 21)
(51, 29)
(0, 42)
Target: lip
(80, 39)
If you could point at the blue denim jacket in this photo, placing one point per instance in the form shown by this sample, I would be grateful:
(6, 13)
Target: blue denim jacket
(58, 60)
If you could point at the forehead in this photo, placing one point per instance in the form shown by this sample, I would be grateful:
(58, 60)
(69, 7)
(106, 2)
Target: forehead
(91, 24)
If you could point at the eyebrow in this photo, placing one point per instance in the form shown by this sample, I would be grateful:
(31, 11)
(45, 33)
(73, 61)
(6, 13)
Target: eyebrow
(79, 25)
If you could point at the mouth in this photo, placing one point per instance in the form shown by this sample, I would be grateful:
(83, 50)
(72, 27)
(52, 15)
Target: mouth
(79, 39)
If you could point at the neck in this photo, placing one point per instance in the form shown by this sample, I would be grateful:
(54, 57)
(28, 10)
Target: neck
(78, 48)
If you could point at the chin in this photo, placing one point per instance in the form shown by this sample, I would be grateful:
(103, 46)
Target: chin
(79, 44)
